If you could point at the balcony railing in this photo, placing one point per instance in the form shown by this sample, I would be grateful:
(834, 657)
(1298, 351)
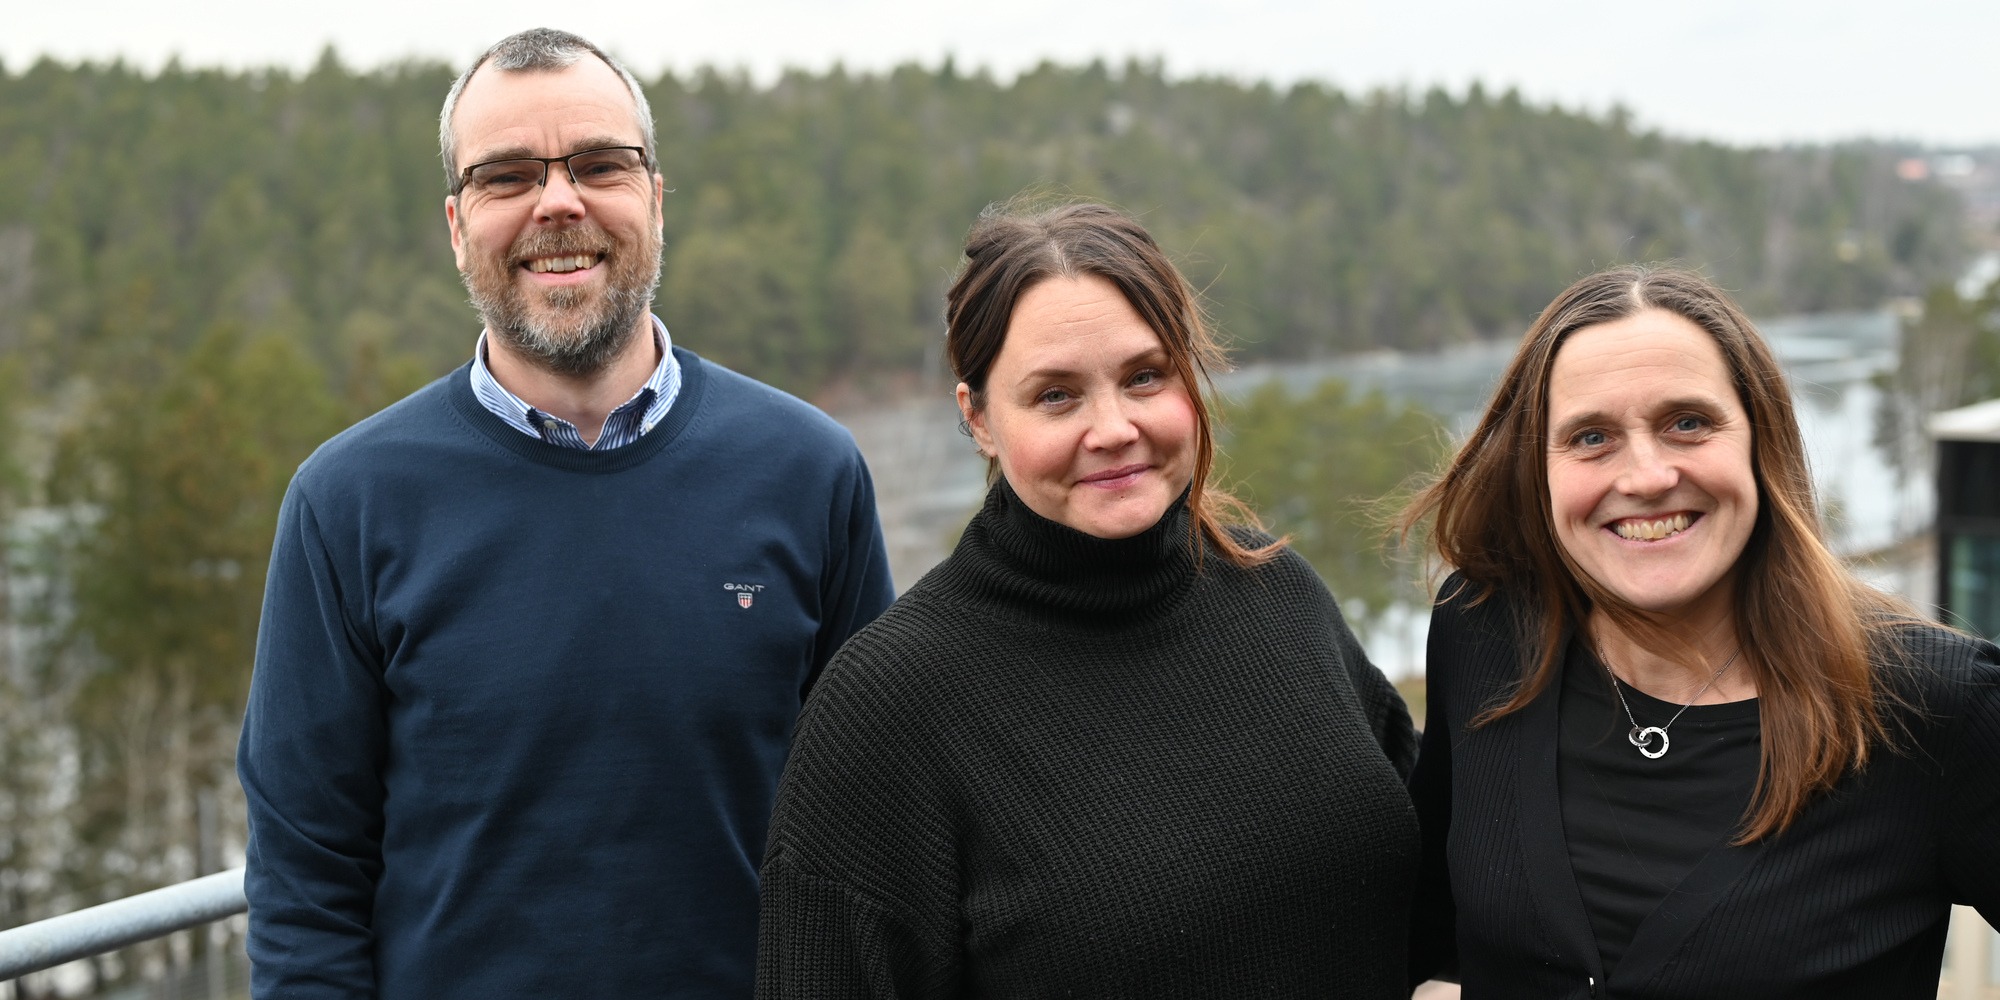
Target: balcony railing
(1973, 966)
(48, 943)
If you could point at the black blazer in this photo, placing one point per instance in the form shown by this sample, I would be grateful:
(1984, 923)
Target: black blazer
(1852, 901)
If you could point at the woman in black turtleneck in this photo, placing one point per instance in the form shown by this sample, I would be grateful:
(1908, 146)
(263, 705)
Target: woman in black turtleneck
(1111, 746)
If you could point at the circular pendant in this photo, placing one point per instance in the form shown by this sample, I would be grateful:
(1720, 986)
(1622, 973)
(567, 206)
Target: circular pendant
(1643, 739)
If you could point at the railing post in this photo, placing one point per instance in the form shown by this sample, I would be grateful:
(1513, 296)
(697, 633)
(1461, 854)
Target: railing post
(1968, 940)
(1967, 947)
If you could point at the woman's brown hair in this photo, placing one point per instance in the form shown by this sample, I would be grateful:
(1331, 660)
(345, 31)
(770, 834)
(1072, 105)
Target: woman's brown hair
(1010, 250)
(1805, 625)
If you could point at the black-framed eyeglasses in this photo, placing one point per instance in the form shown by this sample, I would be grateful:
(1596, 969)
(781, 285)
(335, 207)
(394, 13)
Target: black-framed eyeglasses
(605, 167)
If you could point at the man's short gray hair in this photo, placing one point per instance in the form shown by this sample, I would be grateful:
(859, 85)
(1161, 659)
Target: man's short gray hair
(542, 50)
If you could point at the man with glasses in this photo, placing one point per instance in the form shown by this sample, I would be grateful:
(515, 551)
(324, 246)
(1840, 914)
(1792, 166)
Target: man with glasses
(534, 638)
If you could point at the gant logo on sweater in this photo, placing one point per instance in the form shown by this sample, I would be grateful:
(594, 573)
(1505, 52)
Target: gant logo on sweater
(746, 593)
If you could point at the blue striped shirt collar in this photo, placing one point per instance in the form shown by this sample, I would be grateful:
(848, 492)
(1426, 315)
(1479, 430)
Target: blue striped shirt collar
(626, 424)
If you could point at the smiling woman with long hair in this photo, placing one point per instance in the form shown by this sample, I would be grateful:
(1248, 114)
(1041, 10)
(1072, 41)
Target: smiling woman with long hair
(1674, 748)
(1118, 744)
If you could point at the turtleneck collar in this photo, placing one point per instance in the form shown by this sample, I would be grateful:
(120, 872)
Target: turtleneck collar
(1027, 564)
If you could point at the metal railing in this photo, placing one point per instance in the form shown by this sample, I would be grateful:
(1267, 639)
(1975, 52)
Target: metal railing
(1974, 968)
(46, 944)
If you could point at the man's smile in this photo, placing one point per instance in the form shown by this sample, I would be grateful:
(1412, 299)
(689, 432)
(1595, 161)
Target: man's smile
(562, 265)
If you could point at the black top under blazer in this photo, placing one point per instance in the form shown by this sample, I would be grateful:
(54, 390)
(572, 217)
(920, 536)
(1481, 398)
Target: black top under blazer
(1852, 901)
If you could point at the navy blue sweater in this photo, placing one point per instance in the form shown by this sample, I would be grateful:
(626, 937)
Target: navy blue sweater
(519, 711)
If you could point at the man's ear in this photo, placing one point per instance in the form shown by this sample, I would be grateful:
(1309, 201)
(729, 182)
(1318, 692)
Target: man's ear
(451, 222)
(975, 421)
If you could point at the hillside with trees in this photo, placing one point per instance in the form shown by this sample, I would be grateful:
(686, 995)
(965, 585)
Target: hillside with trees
(814, 221)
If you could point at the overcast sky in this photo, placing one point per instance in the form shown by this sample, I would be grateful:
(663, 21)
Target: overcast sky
(1745, 71)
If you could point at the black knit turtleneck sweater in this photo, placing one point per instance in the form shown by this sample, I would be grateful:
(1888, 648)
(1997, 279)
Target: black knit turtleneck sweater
(1063, 765)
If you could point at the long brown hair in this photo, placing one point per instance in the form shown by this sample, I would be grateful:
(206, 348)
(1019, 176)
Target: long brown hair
(1805, 625)
(1009, 250)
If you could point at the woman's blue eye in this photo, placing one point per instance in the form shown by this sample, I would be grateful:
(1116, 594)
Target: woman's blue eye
(1591, 439)
(1146, 378)
(1688, 423)
(1053, 396)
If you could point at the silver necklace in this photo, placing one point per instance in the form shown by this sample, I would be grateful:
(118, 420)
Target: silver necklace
(1642, 737)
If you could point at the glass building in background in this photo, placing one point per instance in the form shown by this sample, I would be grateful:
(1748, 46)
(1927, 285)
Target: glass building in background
(1968, 516)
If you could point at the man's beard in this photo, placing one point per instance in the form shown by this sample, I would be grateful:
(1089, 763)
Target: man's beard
(569, 335)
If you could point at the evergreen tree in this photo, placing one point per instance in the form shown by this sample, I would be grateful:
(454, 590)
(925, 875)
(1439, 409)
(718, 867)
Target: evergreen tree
(1947, 356)
(1320, 469)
